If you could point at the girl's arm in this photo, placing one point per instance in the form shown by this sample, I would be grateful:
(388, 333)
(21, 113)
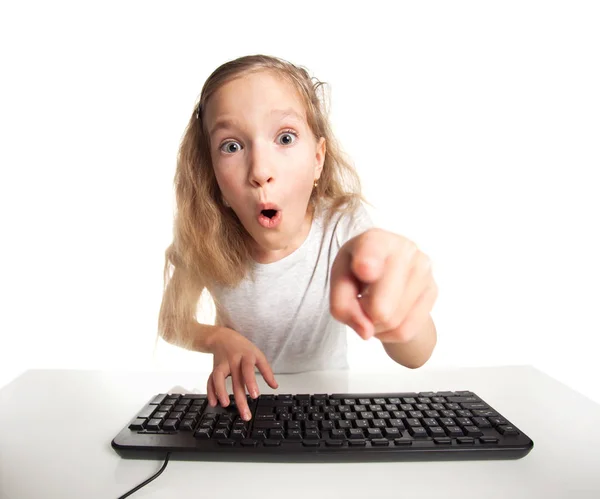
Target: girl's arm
(417, 351)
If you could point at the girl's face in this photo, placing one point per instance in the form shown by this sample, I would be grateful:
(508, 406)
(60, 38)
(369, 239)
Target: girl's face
(265, 159)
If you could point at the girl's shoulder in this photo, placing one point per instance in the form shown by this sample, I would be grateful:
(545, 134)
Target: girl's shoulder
(345, 220)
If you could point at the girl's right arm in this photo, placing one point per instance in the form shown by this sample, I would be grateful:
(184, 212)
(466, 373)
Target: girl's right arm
(233, 354)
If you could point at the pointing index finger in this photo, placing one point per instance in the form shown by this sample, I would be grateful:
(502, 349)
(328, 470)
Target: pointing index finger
(368, 255)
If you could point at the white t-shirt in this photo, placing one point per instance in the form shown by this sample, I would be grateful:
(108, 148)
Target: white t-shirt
(285, 310)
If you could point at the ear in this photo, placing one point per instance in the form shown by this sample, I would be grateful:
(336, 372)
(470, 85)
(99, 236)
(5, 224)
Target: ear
(320, 157)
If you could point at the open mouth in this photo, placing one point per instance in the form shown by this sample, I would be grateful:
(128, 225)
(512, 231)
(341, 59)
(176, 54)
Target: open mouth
(269, 218)
(269, 213)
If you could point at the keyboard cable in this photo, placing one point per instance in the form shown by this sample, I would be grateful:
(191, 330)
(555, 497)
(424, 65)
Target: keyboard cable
(135, 489)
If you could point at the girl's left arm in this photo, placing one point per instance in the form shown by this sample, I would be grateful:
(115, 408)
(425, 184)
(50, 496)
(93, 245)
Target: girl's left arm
(382, 286)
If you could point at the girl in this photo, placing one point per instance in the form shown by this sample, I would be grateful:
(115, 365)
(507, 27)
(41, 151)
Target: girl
(270, 222)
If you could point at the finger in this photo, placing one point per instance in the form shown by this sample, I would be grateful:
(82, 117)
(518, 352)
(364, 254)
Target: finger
(267, 373)
(249, 376)
(390, 316)
(415, 321)
(220, 388)
(369, 253)
(381, 301)
(210, 391)
(239, 393)
(343, 302)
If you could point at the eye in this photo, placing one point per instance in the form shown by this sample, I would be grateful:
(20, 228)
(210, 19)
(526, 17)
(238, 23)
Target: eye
(290, 133)
(227, 144)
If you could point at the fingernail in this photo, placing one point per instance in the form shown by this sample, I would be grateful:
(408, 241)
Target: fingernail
(254, 393)
(247, 415)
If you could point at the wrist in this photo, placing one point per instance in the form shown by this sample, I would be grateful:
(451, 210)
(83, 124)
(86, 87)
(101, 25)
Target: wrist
(214, 336)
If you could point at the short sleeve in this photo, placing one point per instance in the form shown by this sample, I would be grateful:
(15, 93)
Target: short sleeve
(353, 224)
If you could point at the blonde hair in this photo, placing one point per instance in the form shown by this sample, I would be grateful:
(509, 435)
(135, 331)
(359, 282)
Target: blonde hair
(210, 244)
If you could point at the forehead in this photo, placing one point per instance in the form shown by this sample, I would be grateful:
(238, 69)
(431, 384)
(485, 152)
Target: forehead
(255, 97)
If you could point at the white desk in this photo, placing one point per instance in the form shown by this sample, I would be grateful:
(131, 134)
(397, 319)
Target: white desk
(56, 428)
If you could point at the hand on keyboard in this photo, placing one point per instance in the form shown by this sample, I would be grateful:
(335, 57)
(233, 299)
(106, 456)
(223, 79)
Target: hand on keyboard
(235, 356)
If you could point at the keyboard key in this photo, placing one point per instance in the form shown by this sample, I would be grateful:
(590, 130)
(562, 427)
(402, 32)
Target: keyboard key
(465, 440)
(203, 433)
(464, 413)
(380, 442)
(187, 425)
(153, 424)
(442, 440)
(311, 443)
(271, 442)
(488, 440)
(507, 430)
(170, 425)
(463, 399)
(159, 399)
(338, 434)
(378, 423)
(476, 405)
(226, 442)
(356, 433)
(248, 442)
(396, 423)
(138, 424)
(237, 434)
(392, 433)
(268, 425)
(472, 431)
(294, 435)
(259, 434)
(436, 431)
(334, 443)
(374, 433)
(485, 412)
(418, 432)
(454, 431)
(402, 442)
(221, 433)
(311, 435)
(447, 422)
(356, 442)
(497, 421)
(481, 422)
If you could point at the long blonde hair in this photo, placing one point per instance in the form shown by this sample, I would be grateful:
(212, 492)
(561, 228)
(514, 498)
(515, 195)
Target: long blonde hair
(210, 244)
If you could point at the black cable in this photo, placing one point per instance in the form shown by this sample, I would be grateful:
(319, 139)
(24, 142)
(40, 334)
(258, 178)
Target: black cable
(127, 494)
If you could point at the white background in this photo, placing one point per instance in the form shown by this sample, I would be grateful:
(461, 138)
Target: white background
(474, 126)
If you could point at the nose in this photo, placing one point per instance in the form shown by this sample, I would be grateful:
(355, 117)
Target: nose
(261, 169)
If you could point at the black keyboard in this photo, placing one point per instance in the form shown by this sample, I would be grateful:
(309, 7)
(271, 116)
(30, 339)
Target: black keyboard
(324, 427)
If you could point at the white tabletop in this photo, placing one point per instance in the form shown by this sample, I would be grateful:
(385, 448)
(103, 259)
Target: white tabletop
(56, 428)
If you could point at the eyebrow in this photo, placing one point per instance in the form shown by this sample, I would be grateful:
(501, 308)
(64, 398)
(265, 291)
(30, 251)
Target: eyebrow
(230, 123)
